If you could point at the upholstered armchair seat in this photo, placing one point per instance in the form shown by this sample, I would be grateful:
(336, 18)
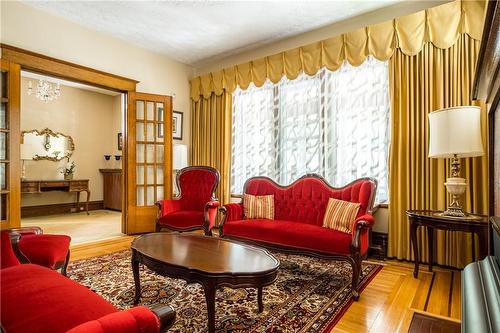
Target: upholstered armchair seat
(45, 250)
(183, 219)
(30, 245)
(195, 208)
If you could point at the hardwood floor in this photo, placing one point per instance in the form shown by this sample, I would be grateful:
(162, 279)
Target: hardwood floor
(386, 305)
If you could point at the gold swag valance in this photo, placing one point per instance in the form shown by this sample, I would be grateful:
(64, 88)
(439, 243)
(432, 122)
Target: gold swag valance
(441, 25)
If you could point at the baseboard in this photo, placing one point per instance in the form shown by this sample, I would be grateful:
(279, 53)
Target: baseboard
(63, 208)
(378, 245)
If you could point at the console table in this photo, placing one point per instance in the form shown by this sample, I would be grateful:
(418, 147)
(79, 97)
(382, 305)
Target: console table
(74, 186)
(431, 220)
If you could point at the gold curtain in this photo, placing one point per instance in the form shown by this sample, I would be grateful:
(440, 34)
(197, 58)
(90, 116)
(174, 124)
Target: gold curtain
(211, 137)
(441, 25)
(432, 79)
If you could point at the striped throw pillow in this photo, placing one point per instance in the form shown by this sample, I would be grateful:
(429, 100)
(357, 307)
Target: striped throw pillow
(340, 215)
(258, 206)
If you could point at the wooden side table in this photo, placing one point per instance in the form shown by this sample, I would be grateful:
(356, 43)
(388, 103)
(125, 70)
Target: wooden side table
(430, 219)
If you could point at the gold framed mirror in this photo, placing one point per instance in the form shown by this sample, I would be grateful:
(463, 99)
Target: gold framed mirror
(46, 145)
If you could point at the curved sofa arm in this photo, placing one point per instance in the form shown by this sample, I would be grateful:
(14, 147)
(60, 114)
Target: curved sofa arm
(360, 228)
(211, 213)
(230, 212)
(138, 319)
(167, 206)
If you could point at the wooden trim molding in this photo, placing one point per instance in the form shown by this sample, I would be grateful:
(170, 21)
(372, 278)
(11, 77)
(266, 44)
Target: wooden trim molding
(66, 70)
(62, 208)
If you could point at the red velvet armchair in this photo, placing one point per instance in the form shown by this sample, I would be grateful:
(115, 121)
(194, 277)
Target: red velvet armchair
(195, 208)
(30, 245)
(37, 299)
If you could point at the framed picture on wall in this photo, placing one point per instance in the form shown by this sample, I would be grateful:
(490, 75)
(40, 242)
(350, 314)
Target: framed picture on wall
(177, 125)
(120, 141)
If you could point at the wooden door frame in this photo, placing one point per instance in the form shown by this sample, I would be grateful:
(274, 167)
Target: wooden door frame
(43, 64)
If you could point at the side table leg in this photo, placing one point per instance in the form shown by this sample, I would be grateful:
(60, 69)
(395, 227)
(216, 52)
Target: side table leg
(210, 298)
(137, 282)
(430, 240)
(259, 299)
(482, 236)
(413, 239)
(88, 199)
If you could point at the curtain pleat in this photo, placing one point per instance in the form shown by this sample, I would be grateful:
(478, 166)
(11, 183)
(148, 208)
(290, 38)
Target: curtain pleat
(433, 79)
(211, 137)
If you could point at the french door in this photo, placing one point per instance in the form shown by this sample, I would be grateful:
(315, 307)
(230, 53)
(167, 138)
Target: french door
(10, 178)
(148, 159)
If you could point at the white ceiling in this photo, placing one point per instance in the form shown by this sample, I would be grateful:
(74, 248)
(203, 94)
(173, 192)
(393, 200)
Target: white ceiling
(194, 31)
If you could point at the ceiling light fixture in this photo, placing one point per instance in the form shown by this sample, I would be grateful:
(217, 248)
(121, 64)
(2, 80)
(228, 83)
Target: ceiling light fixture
(45, 91)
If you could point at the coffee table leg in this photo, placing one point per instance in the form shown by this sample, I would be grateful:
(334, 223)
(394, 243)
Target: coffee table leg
(259, 299)
(135, 271)
(210, 298)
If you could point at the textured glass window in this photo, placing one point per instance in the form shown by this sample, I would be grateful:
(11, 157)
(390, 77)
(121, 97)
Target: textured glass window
(335, 124)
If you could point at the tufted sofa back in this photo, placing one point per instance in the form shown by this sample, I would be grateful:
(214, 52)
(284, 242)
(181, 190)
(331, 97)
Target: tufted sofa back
(305, 200)
(197, 185)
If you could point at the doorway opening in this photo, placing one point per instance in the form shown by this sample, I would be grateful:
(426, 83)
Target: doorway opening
(71, 157)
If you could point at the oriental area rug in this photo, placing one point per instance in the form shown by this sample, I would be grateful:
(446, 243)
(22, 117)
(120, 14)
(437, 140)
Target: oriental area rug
(309, 295)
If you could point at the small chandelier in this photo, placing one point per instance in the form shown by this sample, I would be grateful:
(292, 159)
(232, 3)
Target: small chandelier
(45, 91)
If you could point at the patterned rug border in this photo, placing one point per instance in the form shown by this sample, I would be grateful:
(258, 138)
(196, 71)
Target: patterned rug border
(329, 324)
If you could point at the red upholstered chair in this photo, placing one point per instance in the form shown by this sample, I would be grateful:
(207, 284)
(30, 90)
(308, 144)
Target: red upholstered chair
(30, 245)
(195, 207)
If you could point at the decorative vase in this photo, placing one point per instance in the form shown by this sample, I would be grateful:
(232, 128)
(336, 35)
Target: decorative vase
(107, 161)
(68, 176)
(118, 162)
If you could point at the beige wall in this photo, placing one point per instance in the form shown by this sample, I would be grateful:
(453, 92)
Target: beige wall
(92, 119)
(35, 30)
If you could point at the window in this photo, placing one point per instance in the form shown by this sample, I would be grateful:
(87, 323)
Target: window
(333, 123)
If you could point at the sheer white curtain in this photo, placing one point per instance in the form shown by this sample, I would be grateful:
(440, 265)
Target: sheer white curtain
(333, 123)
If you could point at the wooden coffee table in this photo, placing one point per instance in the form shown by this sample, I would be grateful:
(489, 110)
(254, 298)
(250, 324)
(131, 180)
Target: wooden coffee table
(209, 261)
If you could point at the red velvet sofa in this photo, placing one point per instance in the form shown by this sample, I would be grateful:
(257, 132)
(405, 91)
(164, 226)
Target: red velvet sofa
(298, 220)
(37, 299)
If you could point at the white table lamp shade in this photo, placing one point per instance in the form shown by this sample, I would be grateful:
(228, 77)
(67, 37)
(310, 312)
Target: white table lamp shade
(179, 156)
(455, 131)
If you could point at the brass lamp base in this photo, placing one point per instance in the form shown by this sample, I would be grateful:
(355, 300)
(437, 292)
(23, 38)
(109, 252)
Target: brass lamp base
(456, 187)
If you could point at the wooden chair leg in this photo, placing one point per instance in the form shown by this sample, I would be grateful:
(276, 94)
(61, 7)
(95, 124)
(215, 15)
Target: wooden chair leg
(356, 272)
(64, 269)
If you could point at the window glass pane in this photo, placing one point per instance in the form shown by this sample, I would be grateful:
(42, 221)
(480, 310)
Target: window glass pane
(3, 176)
(3, 146)
(139, 131)
(159, 193)
(139, 109)
(150, 196)
(140, 195)
(150, 175)
(3, 84)
(140, 175)
(159, 113)
(3, 206)
(150, 153)
(150, 111)
(159, 175)
(150, 136)
(140, 153)
(335, 124)
(159, 132)
(159, 153)
(3, 115)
